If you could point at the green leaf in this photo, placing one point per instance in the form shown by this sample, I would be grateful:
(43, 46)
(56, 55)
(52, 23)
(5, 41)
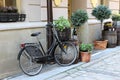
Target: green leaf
(61, 23)
(85, 47)
(79, 17)
(101, 12)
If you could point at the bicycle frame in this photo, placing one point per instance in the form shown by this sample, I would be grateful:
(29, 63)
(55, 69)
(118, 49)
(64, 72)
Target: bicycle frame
(56, 42)
(50, 51)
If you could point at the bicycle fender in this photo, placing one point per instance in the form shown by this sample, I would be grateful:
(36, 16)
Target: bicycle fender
(19, 54)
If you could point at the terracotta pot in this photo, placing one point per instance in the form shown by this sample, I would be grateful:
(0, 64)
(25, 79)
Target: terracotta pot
(100, 44)
(85, 56)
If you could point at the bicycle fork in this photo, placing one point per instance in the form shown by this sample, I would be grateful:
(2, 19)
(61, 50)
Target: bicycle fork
(63, 47)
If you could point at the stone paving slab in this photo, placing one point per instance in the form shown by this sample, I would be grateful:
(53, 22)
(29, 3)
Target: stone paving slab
(85, 75)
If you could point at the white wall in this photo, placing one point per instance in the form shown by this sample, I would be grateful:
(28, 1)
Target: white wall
(114, 5)
(36, 10)
(61, 10)
(32, 8)
(10, 41)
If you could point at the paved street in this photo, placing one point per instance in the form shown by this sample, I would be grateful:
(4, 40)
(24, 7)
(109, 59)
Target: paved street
(104, 65)
(106, 68)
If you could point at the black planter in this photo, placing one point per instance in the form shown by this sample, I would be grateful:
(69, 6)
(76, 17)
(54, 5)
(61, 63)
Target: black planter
(22, 17)
(64, 35)
(12, 17)
(9, 17)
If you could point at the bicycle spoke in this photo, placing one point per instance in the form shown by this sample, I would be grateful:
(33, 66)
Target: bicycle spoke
(27, 62)
(65, 55)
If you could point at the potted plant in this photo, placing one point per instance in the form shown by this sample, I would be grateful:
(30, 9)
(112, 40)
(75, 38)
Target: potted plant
(78, 18)
(63, 28)
(85, 52)
(115, 18)
(108, 26)
(109, 33)
(101, 12)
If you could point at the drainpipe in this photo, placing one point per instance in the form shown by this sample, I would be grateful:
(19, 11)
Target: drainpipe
(49, 23)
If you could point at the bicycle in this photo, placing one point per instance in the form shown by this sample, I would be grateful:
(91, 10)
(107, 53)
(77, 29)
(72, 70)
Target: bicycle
(32, 56)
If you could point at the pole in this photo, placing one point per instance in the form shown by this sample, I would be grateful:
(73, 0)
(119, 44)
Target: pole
(49, 23)
(119, 6)
(102, 2)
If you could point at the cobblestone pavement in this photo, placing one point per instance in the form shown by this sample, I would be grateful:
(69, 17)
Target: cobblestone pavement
(105, 68)
(104, 65)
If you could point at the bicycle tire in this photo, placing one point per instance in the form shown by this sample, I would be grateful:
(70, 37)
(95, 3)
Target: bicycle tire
(27, 53)
(68, 58)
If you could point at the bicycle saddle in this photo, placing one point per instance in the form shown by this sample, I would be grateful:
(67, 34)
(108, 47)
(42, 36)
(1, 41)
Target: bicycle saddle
(35, 34)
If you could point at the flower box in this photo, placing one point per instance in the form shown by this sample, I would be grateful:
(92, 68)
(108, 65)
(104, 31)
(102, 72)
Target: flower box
(12, 17)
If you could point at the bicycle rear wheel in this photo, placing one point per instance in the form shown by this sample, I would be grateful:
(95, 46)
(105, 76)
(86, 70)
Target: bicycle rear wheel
(27, 63)
(68, 57)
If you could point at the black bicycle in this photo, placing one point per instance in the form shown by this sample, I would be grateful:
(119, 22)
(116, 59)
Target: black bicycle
(32, 56)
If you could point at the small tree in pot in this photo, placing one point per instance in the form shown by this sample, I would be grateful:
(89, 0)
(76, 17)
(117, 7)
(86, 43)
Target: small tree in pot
(101, 12)
(78, 18)
(63, 28)
(115, 18)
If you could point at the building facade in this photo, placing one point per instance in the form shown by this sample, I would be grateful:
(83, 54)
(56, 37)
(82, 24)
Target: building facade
(15, 33)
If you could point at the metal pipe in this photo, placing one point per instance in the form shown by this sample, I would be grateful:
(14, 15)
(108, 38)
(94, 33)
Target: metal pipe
(119, 6)
(49, 23)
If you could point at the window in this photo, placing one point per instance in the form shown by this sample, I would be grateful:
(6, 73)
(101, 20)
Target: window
(10, 3)
(104, 2)
(1, 3)
(32, 8)
(4, 3)
(14, 3)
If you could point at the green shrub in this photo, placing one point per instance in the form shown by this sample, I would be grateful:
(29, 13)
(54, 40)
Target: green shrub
(62, 23)
(101, 12)
(85, 47)
(79, 17)
(116, 17)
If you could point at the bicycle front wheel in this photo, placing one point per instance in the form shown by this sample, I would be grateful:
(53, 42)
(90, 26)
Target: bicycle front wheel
(27, 61)
(67, 55)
